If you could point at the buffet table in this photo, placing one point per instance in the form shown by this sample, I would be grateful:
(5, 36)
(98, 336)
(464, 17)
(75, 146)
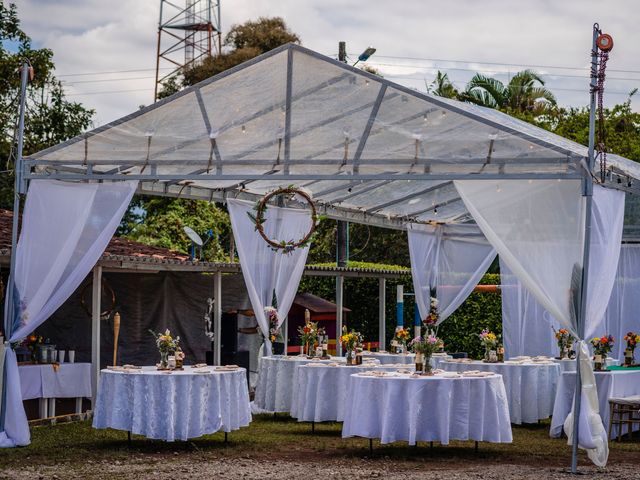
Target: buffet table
(530, 387)
(615, 383)
(320, 390)
(175, 405)
(447, 406)
(274, 390)
(48, 382)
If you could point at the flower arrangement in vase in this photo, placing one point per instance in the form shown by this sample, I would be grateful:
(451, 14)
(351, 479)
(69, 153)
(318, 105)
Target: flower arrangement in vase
(424, 347)
(565, 340)
(274, 323)
(166, 344)
(632, 340)
(490, 342)
(431, 320)
(350, 340)
(601, 347)
(32, 342)
(402, 336)
(309, 336)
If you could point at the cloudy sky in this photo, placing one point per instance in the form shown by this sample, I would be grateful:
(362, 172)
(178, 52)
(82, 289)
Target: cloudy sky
(105, 50)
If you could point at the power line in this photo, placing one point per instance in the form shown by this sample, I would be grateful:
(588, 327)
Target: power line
(586, 68)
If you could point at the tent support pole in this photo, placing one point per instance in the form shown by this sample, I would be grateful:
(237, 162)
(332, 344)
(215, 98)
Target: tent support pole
(588, 197)
(17, 189)
(96, 307)
(339, 312)
(382, 320)
(217, 318)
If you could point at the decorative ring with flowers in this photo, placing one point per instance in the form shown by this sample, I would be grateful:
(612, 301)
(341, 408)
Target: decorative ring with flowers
(285, 246)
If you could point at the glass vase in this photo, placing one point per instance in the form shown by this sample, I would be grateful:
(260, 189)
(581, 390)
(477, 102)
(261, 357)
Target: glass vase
(427, 368)
(164, 360)
(486, 354)
(629, 357)
(349, 357)
(419, 363)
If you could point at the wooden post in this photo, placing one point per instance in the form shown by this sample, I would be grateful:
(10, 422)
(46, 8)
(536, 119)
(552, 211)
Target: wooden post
(382, 320)
(116, 334)
(95, 332)
(217, 318)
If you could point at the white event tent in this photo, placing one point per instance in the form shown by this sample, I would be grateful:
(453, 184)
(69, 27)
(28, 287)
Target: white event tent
(368, 150)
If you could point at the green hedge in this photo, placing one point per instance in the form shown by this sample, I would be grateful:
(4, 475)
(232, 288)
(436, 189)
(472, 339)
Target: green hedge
(459, 332)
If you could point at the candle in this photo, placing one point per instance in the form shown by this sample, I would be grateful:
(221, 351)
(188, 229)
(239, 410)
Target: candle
(307, 315)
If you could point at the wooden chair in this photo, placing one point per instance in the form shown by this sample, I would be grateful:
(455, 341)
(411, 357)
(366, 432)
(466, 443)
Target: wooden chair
(622, 407)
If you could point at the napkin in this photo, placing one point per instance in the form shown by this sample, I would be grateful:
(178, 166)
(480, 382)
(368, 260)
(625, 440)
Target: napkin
(131, 367)
(448, 374)
(477, 374)
(199, 365)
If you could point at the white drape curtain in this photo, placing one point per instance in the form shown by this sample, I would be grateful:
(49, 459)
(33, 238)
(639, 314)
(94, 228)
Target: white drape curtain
(264, 270)
(526, 325)
(537, 227)
(450, 258)
(65, 229)
(622, 313)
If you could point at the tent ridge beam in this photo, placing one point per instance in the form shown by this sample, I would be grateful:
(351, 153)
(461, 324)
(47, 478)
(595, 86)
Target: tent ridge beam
(369, 126)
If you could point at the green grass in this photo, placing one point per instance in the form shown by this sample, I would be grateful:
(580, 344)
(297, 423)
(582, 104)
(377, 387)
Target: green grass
(78, 444)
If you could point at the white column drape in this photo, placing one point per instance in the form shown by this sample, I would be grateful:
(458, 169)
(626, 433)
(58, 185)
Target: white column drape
(526, 325)
(537, 227)
(264, 270)
(450, 258)
(622, 312)
(65, 229)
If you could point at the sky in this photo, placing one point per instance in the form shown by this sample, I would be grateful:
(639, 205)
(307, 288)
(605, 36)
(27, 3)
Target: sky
(105, 51)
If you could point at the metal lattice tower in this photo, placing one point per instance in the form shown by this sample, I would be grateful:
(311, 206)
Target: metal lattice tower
(186, 36)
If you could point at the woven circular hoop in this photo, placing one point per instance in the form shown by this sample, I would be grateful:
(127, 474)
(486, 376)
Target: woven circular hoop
(287, 246)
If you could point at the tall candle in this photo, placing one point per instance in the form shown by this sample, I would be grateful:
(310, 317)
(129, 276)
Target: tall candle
(307, 315)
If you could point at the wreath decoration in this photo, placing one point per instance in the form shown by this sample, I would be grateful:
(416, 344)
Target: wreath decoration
(283, 246)
(106, 288)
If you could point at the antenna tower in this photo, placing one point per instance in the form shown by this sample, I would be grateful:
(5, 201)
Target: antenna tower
(186, 35)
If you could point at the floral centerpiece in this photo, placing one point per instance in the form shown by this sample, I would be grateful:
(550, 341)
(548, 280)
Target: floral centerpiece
(632, 340)
(601, 347)
(565, 341)
(490, 342)
(350, 340)
(402, 335)
(431, 320)
(309, 335)
(424, 347)
(166, 344)
(32, 342)
(274, 320)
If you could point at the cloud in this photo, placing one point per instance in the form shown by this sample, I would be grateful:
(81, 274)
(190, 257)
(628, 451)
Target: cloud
(120, 35)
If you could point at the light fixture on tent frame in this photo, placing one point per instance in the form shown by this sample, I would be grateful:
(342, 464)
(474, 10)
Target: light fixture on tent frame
(197, 242)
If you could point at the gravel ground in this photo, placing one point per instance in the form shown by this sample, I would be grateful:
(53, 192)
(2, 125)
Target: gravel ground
(143, 467)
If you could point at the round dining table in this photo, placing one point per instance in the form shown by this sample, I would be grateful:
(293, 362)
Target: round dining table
(274, 391)
(530, 386)
(320, 390)
(447, 406)
(173, 405)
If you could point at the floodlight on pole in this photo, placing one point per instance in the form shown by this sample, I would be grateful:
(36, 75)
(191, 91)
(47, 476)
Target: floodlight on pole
(364, 56)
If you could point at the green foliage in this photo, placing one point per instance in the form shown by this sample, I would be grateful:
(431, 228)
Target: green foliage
(245, 41)
(480, 310)
(50, 118)
(164, 220)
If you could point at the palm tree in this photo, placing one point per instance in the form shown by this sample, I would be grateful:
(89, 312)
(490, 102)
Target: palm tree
(442, 86)
(525, 92)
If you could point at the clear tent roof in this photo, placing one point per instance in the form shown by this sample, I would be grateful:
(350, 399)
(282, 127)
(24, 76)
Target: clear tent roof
(368, 149)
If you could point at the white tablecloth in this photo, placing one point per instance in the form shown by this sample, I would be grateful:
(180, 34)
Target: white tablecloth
(275, 381)
(173, 406)
(320, 390)
(616, 383)
(427, 409)
(386, 358)
(531, 387)
(71, 380)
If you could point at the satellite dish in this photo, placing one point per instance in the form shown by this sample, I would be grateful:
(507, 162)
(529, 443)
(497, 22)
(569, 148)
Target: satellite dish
(195, 238)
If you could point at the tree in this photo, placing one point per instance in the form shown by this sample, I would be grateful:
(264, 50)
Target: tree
(244, 42)
(50, 118)
(525, 92)
(442, 86)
